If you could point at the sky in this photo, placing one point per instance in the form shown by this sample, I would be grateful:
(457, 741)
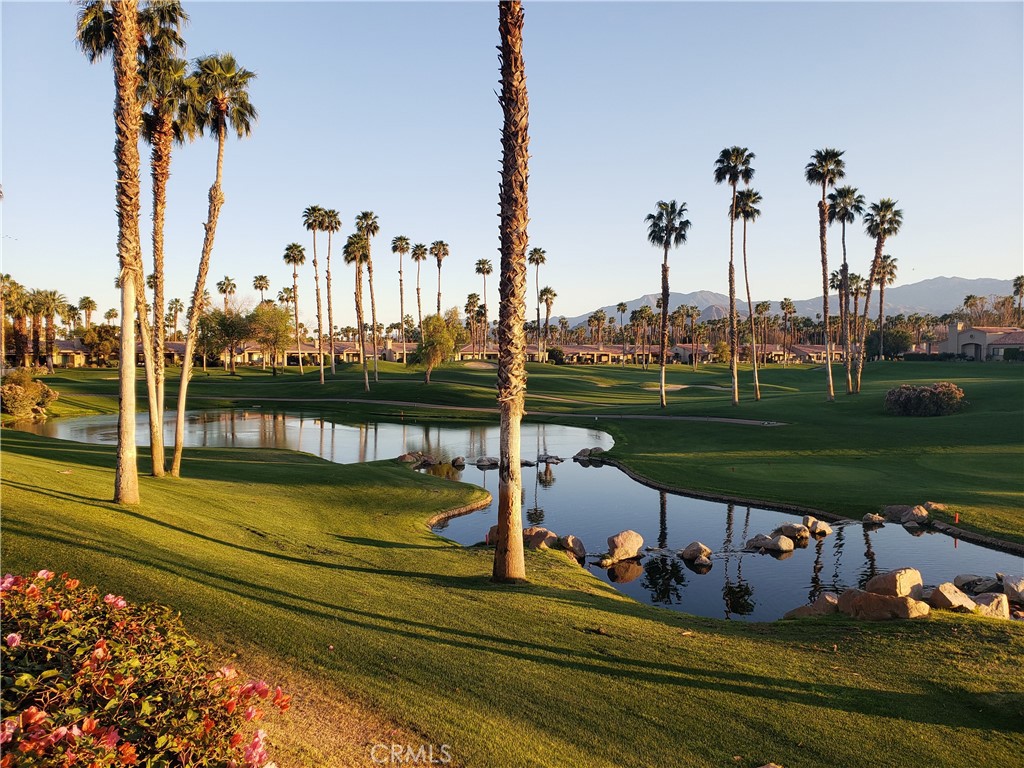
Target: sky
(391, 107)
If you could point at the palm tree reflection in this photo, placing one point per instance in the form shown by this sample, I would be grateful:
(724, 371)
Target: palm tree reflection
(663, 577)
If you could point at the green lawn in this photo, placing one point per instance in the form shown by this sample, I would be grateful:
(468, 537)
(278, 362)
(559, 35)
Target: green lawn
(295, 554)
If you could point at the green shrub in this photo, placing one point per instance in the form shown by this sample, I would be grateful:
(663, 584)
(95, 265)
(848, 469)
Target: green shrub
(556, 355)
(22, 397)
(1012, 353)
(90, 680)
(939, 399)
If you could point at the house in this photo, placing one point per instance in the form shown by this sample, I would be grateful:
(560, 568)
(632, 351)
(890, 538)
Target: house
(70, 353)
(981, 342)
(814, 353)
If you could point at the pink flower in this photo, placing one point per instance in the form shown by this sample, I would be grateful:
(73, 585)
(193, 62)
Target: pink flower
(111, 738)
(45, 574)
(115, 600)
(9, 580)
(256, 753)
(251, 713)
(72, 583)
(261, 688)
(227, 673)
(7, 730)
(13, 640)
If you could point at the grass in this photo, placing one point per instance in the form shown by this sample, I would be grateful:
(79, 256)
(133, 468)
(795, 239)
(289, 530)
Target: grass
(292, 554)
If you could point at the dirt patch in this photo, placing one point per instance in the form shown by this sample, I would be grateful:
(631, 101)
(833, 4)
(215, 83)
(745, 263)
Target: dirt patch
(480, 365)
(668, 387)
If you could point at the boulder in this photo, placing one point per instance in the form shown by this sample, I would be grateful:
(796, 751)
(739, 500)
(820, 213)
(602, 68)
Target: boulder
(596, 452)
(894, 512)
(962, 580)
(809, 521)
(873, 519)
(527, 463)
(546, 458)
(780, 544)
(693, 550)
(793, 530)
(826, 604)
(993, 604)
(624, 545)
(870, 606)
(625, 571)
(492, 536)
(760, 541)
(977, 585)
(917, 515)
(703, 563)
(409, 458)
(934, 506)
(1013, 588)
(459, 462)
(820, 528)
(574, 546)
(949, 598)
(902, 582)
(913, 529)
(539, 538)
(582, 453)
(487, 462)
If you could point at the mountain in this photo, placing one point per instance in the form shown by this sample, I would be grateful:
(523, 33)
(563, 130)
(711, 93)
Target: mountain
(935, 296)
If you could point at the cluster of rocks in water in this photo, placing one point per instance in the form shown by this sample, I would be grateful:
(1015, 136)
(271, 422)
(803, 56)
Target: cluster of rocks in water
(913, 517)
(536, 537)
(781, 542)
(420, 460)
(901, 594)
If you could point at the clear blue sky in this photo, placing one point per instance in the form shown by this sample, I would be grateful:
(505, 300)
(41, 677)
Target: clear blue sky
(391, 107)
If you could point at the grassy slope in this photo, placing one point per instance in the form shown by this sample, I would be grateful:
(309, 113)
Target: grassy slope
(294, 554)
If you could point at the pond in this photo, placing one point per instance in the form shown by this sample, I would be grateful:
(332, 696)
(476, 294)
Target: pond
(595, 502)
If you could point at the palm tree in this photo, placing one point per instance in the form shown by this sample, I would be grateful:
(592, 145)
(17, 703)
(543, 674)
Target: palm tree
(331, 224)
(355, 253)
(49, 304)
(882, 221)
(666, 227)
(826, 168)
(419, 255)
(226, 288)
(175, 308)
(746, 208)
(1018, 292)
(845, 205)
(286, 295)
(313, 221)
(484, 268)
(886, 276)
(548, 296)
(597, 321)
(221, 102)
(17, 305)
(88, 306)
(471, 310)
(788, 309)
(295, 255)
(693, 312)
(732, 167)
(855, 285)
(536, 257)
(110, 315)
(621, 309)
(261, 283)
(400, 246)
(439, 250)
(366, 224)
(509, 564)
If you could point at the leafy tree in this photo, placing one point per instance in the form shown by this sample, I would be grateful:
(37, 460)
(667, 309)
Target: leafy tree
(666, 227)
(897, 342)
(437, 346)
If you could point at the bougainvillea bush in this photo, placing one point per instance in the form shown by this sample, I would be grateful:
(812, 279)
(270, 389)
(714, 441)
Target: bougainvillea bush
(939, 399)
(95, 681)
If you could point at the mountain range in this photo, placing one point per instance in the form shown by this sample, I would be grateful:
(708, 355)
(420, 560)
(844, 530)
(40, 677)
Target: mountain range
(935, 296)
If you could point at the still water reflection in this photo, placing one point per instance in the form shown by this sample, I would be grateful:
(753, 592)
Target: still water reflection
(595, 502)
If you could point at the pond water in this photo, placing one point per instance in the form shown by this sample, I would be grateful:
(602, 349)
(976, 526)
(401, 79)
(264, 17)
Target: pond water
(595, 502)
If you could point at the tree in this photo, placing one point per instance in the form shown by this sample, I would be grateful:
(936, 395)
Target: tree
(471, 309)
(366, 224)
(597, 321)
(313, 221)
(733, 166)
(231, 328)
(825, 168)
(400, 246)
(746, 208)
(50, 304)
(621, 309)
(175, 308)
(788, 309)
(355, 253)
(295, 255)
(845, 205)
(886, 276)
(484, 268)
(882, 221)
(331, 224)
(88, 306)
(693, 312)
(261, 283)
(536, 257)
(226, 288)
(897, 342)
(548, 296)
(855, 285)
(509, 563)
(436, 346)
(1018, 292)
(666, 227)
(439, 250)
(419, 255)
(221, 102)
(110, 315)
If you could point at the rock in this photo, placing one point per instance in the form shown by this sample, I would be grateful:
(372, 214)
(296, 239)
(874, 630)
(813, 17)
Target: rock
(993, 604)
(546, 458)
(894, 512)
(539, 538)
(574, 546)
(409, 458)
(1013, 588)
(624, 545)
(527, 463)
(963, 579)
(703, 562)
(913, 529)
(793, 531)
(870, 606)
(934, 506)
(917, 515)
(693, 550)
(780, 544)
(486, 462)
(625, 571)
(809, 521)
(873, 519)
(596, 452)
(459, 462)
(976, 585)
(700, 566)
(760, 541)
(826, 604)
(947, 597)
(582, 453)
(492, 536)
(898, 583)
(821, 528)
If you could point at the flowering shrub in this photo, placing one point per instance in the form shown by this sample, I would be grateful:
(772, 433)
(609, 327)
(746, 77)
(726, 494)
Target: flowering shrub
(22, 397)
(94, 681)
(940, 399)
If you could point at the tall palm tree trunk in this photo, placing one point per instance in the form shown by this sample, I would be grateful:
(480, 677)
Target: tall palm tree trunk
(330, 307)
(734, 352)
(160, 165)
(664, 324)
(373, 310)
(536, 285)
(439, 288)
(295, 306)
(127, 115)
(419, 303)
(750, 311)
(319, 313)
(509, 563)
(881, 317)
(844, 298)
(830, 393)
(862, 340)
(360, 327)
(401, 306)
(156, 431)
(216, 201)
